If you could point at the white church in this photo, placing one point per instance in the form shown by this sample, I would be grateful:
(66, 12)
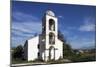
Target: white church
(46, 46)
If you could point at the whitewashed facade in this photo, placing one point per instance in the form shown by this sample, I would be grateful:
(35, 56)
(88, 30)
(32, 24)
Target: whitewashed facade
(46, 46)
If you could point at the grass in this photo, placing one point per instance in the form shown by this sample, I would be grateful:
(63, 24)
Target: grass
(18, 61)
(83, 58)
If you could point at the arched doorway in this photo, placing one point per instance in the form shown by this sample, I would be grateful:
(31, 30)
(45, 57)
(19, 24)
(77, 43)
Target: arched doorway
(51, 53)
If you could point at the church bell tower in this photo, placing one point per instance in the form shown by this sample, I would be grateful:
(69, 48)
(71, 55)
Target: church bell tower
(50, 34)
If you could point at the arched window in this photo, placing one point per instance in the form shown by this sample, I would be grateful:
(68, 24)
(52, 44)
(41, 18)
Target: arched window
(51, 38)
(38, 46)
(51, 25)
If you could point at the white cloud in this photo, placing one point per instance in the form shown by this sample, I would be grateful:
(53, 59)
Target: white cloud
(88, 25)
(24, 26)
(60, 16)
(19, 16)
(25, 23)
(30, 27)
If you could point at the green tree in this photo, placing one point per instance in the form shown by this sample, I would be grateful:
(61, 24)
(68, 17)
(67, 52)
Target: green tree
(67, 50)
(17, 52)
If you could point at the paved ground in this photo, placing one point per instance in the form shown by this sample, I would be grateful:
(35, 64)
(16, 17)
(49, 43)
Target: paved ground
(36, 63)
(66, 60)
(27, 64)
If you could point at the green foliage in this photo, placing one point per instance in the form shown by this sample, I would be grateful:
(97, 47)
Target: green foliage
(18, 61)
(67, 50)
(17, 55)
(17, 52)
(84, 58)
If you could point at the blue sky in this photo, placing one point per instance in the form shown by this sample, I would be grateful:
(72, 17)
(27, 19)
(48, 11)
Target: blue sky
(76, 22)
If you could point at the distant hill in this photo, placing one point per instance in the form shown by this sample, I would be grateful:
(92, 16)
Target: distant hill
(87, 47)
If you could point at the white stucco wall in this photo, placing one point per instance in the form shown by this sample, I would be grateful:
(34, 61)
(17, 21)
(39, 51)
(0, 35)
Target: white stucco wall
(33, 48)
(59, 51)
(48, 31)
(58, 44)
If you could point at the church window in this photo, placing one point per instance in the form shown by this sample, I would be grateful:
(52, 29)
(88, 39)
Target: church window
(38, 46)
(38, 54)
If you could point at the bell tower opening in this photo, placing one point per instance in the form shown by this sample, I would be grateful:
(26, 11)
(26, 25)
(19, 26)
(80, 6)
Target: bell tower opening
(51, 25)
(51, 38)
